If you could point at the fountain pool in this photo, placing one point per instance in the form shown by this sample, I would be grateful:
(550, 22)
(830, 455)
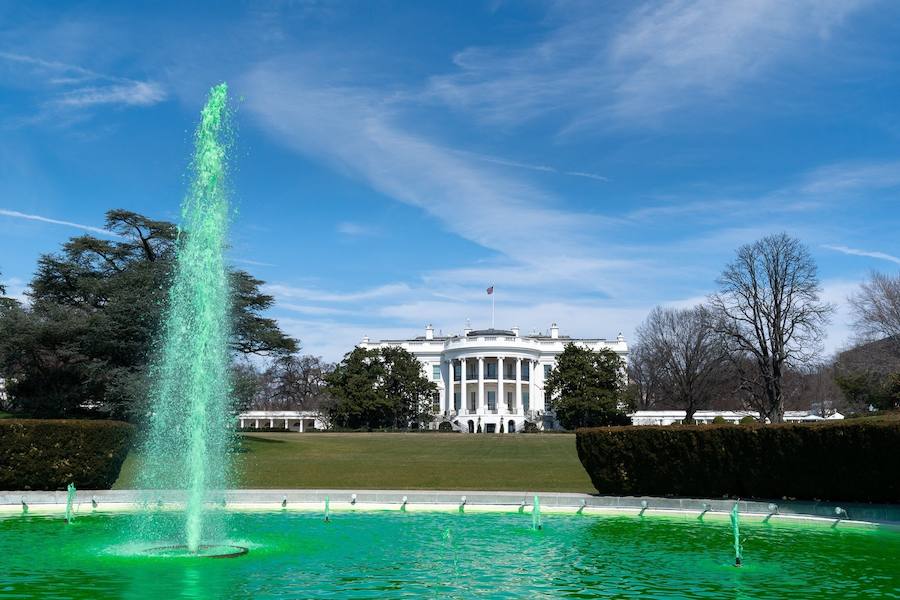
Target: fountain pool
(370, 554)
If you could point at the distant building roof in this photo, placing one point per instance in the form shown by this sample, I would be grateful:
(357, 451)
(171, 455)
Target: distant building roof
(480, 332)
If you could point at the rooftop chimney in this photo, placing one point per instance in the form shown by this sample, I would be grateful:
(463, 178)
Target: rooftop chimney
(554, 331)
(429, 332)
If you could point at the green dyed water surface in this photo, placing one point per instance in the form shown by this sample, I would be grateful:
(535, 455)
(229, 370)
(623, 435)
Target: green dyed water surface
(452, 555)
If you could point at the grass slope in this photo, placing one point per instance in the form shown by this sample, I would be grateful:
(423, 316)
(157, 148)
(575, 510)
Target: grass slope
(406, 461)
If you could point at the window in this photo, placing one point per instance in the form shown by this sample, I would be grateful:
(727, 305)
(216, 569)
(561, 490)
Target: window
(526, 370)
(509, 370)
(457, 371)
(456, 403)
(436, 372)
(547, 369)
(510, 403)
(436, 403)
(490, 370)
(492, 401)
(471, 401)
(525, 400)
(471, 370)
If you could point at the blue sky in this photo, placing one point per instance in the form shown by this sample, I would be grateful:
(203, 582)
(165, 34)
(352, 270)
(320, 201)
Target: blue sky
(393, 159)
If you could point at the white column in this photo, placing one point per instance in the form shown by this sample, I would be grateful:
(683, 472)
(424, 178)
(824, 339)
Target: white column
(301, 425)
(448, 386)
(501, 398)
(463, 406)
(531, 398)
(286, 426)
(271, 423)
(257, 424)
(242, 423)
(480, 400)
(518, 406)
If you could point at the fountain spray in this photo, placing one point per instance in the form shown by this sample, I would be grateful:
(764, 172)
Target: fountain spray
(70, 500)
(191, 430)
(736, 528)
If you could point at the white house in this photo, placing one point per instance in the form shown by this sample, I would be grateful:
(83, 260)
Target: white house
(293, 420)
(705, 417)
(492, 380)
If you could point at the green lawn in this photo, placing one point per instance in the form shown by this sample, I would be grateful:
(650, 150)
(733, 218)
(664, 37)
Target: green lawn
(406, 461)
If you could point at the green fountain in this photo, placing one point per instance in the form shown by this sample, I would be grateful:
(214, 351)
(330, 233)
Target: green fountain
(191, 429)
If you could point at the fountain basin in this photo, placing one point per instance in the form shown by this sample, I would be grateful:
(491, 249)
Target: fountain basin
(390, 553)
(203, 551)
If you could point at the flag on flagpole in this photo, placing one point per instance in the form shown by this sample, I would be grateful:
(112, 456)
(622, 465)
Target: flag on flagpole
(490, 290)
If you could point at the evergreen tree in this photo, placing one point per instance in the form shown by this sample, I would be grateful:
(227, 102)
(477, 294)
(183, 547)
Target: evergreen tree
(585, 388)
(372, 389)
(87, 337)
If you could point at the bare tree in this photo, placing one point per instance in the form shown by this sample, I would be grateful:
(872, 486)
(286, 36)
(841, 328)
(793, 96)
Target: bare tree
(768, 310)
(877, 308)
(687, 354)
(297, 382)
(290, 383)
(643, 377)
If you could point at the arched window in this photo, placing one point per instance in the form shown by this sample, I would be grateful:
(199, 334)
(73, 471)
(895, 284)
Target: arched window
(511, 427)
(471, 426)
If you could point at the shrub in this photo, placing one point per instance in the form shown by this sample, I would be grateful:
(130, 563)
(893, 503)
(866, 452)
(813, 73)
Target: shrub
(748, 420)
(38, 454)
(445, 427)
(718, 420)
(848, 461)
(530, 427)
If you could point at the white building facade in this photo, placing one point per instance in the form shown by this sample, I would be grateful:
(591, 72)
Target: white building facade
(492, 380)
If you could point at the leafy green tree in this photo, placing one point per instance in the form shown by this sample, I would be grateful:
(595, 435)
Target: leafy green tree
(86, 339)
(864, 389)
(411, 392)
(586, 388)
(373, 389)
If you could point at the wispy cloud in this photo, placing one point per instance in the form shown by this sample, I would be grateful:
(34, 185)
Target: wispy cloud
(282, 291)
(530, 167)
(131, 93)
(350, 129)
(73, 87)
(19, 215)
(661, 57)
(867, 253)
(356, 229)
(252, 263)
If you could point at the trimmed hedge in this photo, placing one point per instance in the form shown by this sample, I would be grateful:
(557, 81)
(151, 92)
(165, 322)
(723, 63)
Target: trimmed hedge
(39, 454)
(847, 461)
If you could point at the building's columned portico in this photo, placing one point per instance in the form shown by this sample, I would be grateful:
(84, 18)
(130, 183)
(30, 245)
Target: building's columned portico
(492, 381)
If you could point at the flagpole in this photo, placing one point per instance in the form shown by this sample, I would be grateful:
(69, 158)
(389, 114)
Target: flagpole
(492, 309)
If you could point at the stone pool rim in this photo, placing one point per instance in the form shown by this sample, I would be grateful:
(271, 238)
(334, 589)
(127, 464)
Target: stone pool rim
(342, 500)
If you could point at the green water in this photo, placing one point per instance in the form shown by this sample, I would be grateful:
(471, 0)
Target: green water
(191, 424)
(452, 555)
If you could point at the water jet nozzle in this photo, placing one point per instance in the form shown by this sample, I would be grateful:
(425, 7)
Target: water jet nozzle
(706, 509)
